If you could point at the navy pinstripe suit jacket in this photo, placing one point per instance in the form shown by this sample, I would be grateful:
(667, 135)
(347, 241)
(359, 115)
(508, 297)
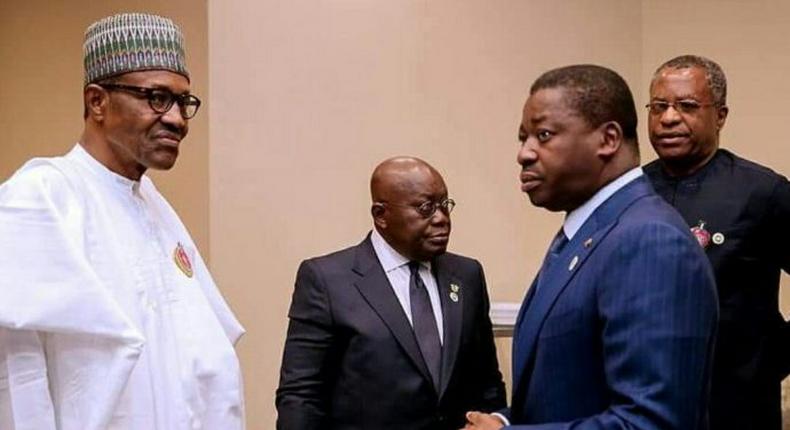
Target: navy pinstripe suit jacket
(622, 338)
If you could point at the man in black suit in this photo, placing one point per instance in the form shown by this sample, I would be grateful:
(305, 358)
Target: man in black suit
(392, 333)
(739, 213)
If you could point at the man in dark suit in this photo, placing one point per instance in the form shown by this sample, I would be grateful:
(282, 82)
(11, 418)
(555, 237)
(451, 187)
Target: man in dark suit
(617, 330)
(392, 333)
(740, 213)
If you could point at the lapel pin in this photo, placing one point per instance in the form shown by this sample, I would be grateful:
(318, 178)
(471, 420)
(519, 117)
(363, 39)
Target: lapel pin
(182, 260)
(718, 238)
(454, 288)
(588, 243)
(574, 261)
(454, 296)
(702, 235)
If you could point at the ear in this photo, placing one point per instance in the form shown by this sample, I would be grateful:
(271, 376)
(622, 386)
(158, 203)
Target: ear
(96, 100)
(378, 210)
(611, 139)
(721, 117)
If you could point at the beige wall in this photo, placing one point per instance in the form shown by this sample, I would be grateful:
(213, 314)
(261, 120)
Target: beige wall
(41, 90)
(306, 97)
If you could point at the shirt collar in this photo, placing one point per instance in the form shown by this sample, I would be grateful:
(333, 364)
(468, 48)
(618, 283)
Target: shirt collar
(82, 156)
(577, 217)
(389, 258)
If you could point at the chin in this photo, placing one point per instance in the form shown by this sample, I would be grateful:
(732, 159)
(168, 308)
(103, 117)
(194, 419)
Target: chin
(539, 202)
(163, 163)
(551, 206)
(430, 254)
(161, 166)
(672, 153)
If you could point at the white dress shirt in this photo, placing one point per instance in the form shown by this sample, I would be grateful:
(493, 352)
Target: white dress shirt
(396, 267)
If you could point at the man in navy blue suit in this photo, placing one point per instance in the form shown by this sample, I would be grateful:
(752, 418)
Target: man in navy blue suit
(617, 330)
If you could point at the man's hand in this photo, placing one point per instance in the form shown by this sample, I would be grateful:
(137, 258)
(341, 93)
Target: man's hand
(480, 421)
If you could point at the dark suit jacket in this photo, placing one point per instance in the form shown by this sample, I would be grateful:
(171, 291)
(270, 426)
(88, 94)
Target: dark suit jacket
(620, 334)
(750, 205)
(351, 360)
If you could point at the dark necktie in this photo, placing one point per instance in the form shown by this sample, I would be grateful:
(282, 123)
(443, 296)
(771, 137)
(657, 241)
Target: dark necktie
(424, 323)
(559, 242)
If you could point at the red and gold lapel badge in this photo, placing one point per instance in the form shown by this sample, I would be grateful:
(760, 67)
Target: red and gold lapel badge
(702, 235)
(182, 260)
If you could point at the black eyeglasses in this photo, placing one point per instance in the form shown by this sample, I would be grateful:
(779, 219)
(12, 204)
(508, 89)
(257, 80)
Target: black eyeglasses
(161, 100)
(658, 107)
(427, 209)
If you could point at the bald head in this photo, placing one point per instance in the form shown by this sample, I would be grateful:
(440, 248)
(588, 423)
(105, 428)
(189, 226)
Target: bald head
(399, 175)
(399, 187)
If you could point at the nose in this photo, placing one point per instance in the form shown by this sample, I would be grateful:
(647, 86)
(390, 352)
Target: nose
(440, 217)
(670, 116)
(174, 117)
(526, 154)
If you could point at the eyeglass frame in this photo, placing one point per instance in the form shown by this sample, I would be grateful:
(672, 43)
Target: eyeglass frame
(691, 106)
(447, 205)
(149, 93)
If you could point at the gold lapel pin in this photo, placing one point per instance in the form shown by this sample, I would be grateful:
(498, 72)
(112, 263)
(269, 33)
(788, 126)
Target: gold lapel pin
(588, 243)
(454, 288)
(454, 296)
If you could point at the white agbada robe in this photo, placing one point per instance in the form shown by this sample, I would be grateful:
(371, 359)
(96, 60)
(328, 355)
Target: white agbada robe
(99, 327)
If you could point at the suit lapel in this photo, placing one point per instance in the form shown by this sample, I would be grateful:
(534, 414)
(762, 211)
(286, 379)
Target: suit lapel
(453, 317)
(556, 279)
(571, 260)
(377, 291)
(519, 349)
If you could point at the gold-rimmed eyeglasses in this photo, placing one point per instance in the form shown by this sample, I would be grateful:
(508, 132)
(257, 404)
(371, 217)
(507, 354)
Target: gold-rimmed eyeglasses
(428, 208)
(658, 107)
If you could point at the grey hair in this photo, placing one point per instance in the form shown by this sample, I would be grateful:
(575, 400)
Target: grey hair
(717, 82)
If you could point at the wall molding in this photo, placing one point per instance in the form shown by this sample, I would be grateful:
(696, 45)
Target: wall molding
(503, 317)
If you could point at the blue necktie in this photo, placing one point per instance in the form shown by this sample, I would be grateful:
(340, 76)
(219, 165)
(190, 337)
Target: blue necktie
(552, 256)
(424, 323)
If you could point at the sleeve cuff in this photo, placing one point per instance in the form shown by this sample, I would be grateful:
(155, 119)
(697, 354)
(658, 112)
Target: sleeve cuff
(502, 418)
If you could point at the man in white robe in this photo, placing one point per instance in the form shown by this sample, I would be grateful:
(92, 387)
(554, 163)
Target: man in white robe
(109, 318)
